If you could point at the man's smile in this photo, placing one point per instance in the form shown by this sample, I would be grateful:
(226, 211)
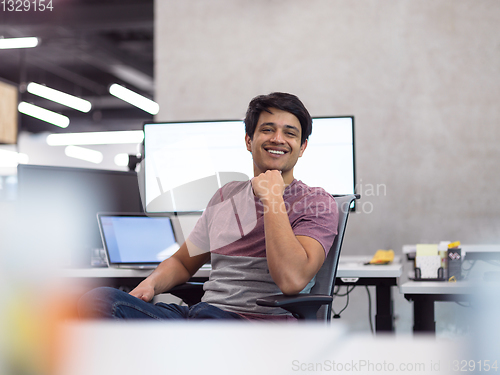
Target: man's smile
(276, 151)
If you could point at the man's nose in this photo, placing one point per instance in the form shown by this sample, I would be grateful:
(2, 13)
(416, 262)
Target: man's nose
(278, 137)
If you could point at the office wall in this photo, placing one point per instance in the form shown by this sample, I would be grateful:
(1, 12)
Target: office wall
(422, 79)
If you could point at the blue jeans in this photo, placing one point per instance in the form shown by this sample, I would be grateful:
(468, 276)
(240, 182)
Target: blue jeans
(112, 303)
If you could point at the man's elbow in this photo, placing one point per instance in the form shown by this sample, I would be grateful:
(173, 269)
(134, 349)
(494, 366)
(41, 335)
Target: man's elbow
(291, 287)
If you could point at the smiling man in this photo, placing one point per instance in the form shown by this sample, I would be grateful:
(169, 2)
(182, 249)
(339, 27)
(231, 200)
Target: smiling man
(264, 236)
(275, 143)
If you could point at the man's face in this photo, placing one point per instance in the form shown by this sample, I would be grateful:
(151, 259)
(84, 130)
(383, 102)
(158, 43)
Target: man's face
(276, 143)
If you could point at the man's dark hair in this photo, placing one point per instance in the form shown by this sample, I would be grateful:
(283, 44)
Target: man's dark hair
(279, 100)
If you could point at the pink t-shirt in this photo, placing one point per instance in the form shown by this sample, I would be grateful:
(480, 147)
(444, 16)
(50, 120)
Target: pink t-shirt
(232, 229)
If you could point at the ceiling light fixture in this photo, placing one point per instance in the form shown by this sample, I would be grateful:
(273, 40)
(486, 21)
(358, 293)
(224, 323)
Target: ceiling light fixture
(59, 97)
(96, 138)
(43, 114)
(10, 159)
(82, 153)
(8, 43)
(135, 99)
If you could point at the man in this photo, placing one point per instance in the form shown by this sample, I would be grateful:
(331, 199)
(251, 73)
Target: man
(264, 236)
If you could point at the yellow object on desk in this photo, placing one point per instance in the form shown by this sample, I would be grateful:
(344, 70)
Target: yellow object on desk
(382, 257)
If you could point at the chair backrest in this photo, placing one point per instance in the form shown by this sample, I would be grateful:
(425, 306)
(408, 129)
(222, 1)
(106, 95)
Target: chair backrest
(325, 278)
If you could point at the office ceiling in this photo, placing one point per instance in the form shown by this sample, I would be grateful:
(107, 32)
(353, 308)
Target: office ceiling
(86, 45)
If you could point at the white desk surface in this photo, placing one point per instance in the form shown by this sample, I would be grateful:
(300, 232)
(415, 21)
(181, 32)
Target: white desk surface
(436, 287)
(353, 266)
(110, 272)
(246, 348)
(349, 266)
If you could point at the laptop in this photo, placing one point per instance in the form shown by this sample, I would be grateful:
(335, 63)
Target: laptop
(133, 240)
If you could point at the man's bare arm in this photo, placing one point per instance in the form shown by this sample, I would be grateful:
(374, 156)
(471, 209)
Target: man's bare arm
(292, 260)
(171, 272)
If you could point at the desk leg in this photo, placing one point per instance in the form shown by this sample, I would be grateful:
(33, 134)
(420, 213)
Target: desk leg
(423, 315)
(384, 317)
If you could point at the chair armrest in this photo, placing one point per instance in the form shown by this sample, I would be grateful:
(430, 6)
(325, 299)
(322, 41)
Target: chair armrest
(190, 292)
(302, 306)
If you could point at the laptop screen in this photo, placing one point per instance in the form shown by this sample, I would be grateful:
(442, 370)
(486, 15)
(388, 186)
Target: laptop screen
(137, 239)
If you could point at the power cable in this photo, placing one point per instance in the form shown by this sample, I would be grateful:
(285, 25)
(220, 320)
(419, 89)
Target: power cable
(348, 291)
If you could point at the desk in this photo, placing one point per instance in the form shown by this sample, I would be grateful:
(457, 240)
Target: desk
(122, 274)
(425, 293)
(122, 278)
(351, 271)
(470, 252)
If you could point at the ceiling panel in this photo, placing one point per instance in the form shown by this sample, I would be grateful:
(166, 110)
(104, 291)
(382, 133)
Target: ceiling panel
(85, 46)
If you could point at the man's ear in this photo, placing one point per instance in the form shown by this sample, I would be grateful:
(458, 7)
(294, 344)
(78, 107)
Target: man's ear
(302, 148)
(248, 142)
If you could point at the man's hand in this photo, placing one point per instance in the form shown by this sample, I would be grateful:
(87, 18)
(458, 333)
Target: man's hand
(171, 272)
(268, 185)
(144, 291)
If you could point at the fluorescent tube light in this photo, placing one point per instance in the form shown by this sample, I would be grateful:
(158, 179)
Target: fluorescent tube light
(59, 97)
(133, 76)
(96, 138)
(43, 114)
(8, 43)
(10, 159)
(82, 153)
(135, 99)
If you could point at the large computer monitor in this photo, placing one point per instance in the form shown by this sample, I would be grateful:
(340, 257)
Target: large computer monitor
(186, 162)
(60, 205)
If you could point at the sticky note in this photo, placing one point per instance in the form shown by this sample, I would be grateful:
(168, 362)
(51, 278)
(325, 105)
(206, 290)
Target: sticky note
(427, 250)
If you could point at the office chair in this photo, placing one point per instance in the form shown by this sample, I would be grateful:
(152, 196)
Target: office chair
(317, 305)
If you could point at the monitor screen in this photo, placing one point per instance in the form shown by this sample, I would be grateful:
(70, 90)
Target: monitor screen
(60, 205)
(186, 162)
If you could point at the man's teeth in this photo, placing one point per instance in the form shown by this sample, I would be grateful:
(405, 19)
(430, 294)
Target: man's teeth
(276, 152)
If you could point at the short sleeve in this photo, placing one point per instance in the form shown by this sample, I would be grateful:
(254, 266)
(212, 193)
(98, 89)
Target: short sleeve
(316, 216)
(199, 236)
